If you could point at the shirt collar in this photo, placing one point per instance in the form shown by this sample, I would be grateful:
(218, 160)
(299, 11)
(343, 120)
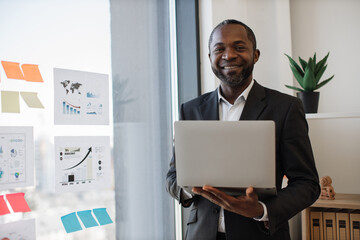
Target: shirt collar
(244, 95)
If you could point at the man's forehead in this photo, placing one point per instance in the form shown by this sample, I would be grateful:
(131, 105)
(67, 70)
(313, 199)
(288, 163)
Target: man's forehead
(235, 32)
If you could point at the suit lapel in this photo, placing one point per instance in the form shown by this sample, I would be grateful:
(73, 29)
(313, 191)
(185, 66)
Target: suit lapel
(255, 103)
(209, 109)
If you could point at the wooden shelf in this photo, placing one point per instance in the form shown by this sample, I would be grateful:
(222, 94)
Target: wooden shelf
(342, 201)
(346, 201)
(333, 115)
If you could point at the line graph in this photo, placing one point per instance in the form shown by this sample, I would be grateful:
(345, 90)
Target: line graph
(81, 163)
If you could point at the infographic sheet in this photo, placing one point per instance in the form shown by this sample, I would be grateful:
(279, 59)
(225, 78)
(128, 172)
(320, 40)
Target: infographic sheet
(22, 230)
(82, 163)
(80, 98)
(16, 157)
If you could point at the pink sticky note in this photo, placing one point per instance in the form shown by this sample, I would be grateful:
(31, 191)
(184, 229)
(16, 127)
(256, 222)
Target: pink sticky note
(3, 207)
(18, 202)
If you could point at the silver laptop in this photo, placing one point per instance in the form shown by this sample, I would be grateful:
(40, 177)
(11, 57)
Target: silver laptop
(230, 155)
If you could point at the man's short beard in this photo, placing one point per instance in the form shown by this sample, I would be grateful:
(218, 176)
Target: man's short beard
(234, 80)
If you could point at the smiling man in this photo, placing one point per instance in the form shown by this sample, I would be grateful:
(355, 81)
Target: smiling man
(214, 214)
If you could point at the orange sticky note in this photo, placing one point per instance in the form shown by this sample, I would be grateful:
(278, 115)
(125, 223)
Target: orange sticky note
(18, 202)
(12, 70)
(3, 207)
(32, 73)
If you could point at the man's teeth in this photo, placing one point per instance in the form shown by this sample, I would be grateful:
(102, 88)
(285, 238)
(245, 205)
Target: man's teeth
(230, 67)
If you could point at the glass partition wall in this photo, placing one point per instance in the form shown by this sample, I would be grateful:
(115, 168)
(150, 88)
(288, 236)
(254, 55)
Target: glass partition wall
(140, 47)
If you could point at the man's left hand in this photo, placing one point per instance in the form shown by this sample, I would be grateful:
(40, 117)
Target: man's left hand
(247, 206)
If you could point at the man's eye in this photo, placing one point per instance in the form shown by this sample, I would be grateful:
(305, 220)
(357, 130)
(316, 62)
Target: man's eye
(239, 48)
(217, 50)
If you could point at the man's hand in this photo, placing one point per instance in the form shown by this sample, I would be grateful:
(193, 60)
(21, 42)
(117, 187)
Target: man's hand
(247, 206)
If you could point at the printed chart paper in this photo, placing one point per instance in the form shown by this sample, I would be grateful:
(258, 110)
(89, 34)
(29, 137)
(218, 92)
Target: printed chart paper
(80, 98)
(24, 230)
(82, 163)
(16, 157)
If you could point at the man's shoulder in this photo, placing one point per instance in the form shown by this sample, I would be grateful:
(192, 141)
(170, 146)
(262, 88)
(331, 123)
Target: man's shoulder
(279, 97)
(201, 99)
(277, 94)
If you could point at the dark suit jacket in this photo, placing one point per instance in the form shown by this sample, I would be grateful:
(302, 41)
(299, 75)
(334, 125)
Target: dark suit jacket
(294, 158)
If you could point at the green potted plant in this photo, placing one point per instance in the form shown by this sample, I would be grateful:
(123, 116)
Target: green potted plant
(308, 76)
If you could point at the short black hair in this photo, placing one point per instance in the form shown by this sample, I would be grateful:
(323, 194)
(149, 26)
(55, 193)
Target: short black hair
(249, 32)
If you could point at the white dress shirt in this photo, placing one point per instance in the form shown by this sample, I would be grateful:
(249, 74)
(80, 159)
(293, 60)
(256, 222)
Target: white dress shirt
(232, 112)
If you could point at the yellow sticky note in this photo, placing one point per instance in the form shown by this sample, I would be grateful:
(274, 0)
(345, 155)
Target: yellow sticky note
(12, 70)
(32, 73)
(31, 99)
(10, 102)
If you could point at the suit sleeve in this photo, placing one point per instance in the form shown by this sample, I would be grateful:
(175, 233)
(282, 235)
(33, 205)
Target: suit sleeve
(297, 163)
(171, 183)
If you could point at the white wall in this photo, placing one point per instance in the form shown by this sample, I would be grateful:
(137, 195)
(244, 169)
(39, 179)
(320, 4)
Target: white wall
(301, 27)
(295, 27)
(316, 25)
(335, 140)
(270, 21)
(331, 26)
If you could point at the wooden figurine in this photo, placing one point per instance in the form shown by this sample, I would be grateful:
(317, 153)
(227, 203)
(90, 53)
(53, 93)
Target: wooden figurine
(327, 190)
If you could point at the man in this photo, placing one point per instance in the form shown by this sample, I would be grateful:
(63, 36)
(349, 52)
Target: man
(214, 214)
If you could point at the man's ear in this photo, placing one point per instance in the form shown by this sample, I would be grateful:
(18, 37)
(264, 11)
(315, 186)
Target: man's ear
(256, 55)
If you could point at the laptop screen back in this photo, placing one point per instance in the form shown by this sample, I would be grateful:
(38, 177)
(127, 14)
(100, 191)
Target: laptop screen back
(225, 154)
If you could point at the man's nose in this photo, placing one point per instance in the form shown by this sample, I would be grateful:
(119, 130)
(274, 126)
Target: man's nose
(228, 54)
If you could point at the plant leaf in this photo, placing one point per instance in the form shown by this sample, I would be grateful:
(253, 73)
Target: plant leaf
(303, 63)
(319, 74)
(294, 64)
(314, 58)
(321, 64)
(311, 64)
(324, 82)
(294, 88)
(309, 79)
(299, 78)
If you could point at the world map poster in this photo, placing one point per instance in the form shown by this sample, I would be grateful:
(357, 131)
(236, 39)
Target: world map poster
(80, 98)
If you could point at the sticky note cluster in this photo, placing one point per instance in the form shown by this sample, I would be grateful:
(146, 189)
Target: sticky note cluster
(16, 201)
(27, 72)
(72, 224)
(10, 100)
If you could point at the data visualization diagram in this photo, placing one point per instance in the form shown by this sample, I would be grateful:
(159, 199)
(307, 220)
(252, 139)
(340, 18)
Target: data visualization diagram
(80, 98)
(82, 163)
(20, 230)
(16, 157)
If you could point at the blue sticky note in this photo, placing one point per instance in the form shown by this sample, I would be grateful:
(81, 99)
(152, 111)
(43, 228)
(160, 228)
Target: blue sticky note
(87, 219)
(71, 223)
(102, 216)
